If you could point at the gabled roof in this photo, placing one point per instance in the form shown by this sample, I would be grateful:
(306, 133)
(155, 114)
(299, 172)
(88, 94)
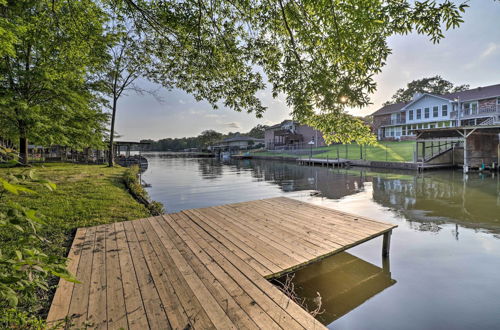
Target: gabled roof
(390, 108)
(286, 121)
(418, 98)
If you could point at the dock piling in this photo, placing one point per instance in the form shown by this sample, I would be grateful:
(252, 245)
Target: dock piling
(386, 244)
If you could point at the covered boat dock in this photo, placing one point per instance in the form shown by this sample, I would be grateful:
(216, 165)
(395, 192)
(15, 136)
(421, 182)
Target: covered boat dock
(469, 147)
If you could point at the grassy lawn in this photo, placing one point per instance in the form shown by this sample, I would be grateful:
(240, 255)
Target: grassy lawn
(272, 154)
(384, 151)
(86, 195)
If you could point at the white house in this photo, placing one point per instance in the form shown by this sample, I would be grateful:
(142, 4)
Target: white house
(479, 106)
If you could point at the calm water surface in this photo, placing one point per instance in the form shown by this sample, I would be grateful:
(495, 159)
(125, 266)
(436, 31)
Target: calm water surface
(444, 270)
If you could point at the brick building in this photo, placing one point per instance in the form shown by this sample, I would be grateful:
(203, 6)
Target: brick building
(290, 134)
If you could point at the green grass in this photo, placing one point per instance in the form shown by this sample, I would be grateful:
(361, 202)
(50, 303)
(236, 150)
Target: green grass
(272, 154)
(384, 151)
(86, 195)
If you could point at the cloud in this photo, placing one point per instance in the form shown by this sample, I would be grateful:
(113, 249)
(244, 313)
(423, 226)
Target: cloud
(181, 101)
(233, 125)
(212, 115)
(490, 50)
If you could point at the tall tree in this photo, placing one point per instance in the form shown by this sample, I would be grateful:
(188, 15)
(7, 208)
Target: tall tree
(209, 137)
(321, 54)
(433, 85)
(42, 73)
(258, 131)
(128, 60)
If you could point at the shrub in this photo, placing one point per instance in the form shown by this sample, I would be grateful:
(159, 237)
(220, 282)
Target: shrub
(131, 178)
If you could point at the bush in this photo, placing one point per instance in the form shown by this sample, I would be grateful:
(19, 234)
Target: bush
(131, 178)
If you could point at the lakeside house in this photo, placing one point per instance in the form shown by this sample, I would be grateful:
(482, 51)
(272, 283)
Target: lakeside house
(237, 143)
(474, 107)
(290, 134)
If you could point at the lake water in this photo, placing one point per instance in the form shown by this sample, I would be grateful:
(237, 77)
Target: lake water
(444, 270)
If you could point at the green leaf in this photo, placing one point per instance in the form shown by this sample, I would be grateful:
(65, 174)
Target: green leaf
(9, 187)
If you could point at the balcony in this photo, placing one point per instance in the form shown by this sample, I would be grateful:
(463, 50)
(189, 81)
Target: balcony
(394, 122)
(481, 112)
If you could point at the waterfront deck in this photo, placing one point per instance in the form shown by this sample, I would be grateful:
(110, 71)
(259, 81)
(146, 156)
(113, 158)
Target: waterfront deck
(203, 268)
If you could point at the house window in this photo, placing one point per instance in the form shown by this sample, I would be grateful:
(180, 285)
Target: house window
(467, 108)
(444, 110)
(498, 101)
(426, 113)
(435, 111)
(419, 113)
(410, 114)
(474, 108)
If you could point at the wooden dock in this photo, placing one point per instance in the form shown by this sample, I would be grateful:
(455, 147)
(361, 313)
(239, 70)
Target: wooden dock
(203, 268)
(328, 162)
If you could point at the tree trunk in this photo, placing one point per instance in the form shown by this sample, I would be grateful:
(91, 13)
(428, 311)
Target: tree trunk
(23, 146)
(111, 154)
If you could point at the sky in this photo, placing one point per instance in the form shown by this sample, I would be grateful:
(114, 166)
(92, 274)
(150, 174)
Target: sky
(467, 55)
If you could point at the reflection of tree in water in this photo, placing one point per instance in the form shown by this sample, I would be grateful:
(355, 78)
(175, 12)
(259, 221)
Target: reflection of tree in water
(441, 197)
(209, 168)
(332, 184)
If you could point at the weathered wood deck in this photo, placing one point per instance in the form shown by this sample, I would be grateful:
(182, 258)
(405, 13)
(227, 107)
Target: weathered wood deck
(203, 268)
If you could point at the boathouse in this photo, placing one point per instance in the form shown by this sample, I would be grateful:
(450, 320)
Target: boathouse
(469, 147)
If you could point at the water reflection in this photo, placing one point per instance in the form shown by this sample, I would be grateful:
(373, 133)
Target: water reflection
(445, 254)
(343, 281)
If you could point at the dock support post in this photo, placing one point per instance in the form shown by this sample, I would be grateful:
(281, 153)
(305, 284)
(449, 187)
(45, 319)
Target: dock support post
(386, 244)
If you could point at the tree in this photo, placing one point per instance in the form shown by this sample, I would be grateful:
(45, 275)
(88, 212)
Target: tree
(433, 85)
(258, 131)
(128, 60)
(43, 90)
(322, 55)
(209, 137)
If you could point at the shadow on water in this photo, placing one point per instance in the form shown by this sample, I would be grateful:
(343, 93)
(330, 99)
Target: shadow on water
(445, 253)
(343, 281)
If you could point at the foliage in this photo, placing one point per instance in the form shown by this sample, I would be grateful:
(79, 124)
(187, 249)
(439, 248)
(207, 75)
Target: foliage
(130, 176)
(322, 55)
(86, 195)
(258, 131)
(201, 141)
(209, 137)
(433, 85)
(24, 267)
(44, 94)
(127, 60)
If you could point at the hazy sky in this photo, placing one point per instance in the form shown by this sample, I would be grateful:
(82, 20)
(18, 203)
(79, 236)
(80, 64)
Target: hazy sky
(468, 55)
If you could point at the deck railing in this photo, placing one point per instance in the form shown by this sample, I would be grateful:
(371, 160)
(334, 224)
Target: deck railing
(481, 112)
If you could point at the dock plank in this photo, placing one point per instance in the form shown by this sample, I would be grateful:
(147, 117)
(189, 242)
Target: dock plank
(203, 268)
(62, 299)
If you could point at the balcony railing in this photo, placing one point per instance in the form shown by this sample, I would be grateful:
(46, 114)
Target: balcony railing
(481, 112)
(394, 121)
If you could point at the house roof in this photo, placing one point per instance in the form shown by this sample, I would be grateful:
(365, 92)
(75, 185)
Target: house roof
(478, 93)
(241, 138)
(390, 108)
(280, 124)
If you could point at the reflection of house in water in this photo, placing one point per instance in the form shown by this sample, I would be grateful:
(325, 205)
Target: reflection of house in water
(343, 281)
(209, 168)
(434, 198)
(290, 177)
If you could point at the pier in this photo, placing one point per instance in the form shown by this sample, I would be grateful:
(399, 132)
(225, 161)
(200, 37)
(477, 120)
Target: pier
(204, 268)
(332, 162)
